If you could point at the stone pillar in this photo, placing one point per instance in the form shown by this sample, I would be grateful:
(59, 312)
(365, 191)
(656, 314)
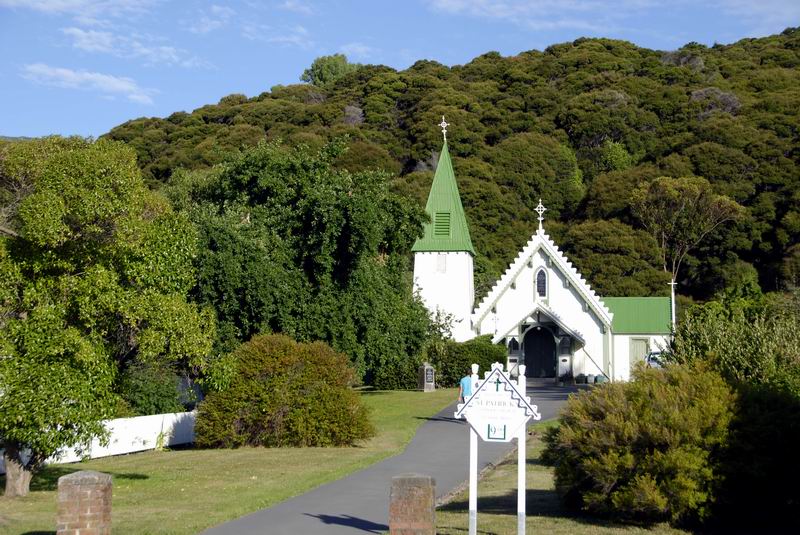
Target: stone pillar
(412, 505)
(84, 504)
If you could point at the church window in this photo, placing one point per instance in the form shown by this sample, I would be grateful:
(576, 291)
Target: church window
(441, 263)
(441, 224)
(541, 283)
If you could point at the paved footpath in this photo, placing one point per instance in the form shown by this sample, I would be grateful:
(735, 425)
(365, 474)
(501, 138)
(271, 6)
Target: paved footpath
(359, 503)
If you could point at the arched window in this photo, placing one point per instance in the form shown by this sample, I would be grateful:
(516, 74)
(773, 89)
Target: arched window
(541, 283)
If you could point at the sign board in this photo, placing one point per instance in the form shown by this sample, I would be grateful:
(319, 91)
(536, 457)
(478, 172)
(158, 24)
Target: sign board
(497, 410)
(428, 375)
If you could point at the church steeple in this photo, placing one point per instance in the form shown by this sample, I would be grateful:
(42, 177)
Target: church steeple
(443, 268)
(447, 230)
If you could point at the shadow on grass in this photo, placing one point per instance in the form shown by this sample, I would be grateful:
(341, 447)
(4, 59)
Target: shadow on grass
(39, 533)
(536, 462)
(371, 391)
(47, 479)
(538, 502)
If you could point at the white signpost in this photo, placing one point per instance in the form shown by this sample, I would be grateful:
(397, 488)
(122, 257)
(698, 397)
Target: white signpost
(497, 411)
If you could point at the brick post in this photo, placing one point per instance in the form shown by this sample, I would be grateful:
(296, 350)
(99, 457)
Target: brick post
(84, 504)
(412, 507)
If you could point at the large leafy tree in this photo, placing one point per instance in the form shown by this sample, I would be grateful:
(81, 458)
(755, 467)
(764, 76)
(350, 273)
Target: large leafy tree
(94, 271)
(680, 213)
(618, 259)
(292, 244)
(327, 69)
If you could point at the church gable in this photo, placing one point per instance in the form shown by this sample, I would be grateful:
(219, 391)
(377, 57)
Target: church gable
(539, 271)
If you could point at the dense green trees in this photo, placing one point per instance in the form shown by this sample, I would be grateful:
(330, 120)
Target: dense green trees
(94, 272)
(291, 244)
(580, 125)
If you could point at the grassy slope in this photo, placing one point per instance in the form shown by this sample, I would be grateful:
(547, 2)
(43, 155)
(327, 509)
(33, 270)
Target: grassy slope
(497, 504)
(187, 490)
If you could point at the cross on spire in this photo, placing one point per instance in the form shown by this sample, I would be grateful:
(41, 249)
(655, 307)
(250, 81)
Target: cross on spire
(444, 124)
(540, 209)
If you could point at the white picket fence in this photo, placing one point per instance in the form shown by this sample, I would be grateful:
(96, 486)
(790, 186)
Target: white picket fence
(129, 435)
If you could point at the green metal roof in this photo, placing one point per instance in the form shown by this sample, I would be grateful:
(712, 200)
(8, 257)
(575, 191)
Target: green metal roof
(447, 230)
(639, 315)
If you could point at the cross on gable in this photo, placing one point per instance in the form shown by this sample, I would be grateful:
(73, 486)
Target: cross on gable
(540, 209)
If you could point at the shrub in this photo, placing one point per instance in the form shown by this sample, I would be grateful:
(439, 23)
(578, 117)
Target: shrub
(452, 360)
(746, 341)
(150, 389)
(398, 374)
(754, 343)
(764, 436)
(645, 450)
(284, 393)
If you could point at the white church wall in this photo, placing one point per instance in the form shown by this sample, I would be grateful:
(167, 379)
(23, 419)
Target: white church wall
(622, 355)
(444, 281)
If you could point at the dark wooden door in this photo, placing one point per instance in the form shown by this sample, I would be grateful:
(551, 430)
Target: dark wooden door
(540, 353)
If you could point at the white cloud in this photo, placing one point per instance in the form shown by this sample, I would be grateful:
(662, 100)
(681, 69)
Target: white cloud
(296, 6)
(131, 47)
(357, 50)
(592, 15)
(215, 18)
(91, 40)
(605, 15)
(764, 16)
(106, 84)
(255, 32)
(88, 12)
(297, 36)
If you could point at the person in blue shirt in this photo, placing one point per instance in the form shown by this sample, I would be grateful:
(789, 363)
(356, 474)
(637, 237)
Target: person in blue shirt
(465, 387)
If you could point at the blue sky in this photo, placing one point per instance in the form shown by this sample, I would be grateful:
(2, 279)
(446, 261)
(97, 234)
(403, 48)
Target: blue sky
(84, 66)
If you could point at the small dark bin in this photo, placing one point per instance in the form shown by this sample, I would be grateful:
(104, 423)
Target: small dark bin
(580, 379)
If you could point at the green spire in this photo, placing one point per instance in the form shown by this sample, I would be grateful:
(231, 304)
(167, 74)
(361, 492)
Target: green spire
(448, 230)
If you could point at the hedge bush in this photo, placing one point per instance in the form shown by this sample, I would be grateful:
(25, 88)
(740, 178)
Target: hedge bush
(647, 450)
(754, 342)
(452, 360)
(746, 343)
(284, 393)
(149, 389)
(399, 374)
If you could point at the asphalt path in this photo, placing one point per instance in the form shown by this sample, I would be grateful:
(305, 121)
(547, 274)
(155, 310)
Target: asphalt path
(359, 503)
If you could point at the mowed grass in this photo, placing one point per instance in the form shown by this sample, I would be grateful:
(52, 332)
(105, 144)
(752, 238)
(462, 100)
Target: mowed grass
(185, 491)
(497, 504)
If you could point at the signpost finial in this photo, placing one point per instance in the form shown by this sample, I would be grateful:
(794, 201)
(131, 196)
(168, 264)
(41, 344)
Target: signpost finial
(444, 124)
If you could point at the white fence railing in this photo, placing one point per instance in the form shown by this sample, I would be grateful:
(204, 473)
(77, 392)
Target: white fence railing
(129, 435)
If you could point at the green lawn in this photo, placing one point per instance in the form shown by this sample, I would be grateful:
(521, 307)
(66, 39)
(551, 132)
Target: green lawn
(497, 504)
(185, 491)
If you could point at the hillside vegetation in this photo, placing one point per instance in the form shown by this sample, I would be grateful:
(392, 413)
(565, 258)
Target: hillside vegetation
(580, 125)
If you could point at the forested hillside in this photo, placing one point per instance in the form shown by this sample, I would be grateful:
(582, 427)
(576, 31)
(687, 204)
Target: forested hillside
(580, 125)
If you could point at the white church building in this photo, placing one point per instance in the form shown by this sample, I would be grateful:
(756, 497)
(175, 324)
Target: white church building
(541, 309)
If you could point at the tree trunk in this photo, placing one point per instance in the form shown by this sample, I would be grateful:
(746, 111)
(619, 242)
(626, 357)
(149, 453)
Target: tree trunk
(18, 475)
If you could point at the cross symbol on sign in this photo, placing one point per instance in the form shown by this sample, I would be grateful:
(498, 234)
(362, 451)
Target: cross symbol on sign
(497, 383)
